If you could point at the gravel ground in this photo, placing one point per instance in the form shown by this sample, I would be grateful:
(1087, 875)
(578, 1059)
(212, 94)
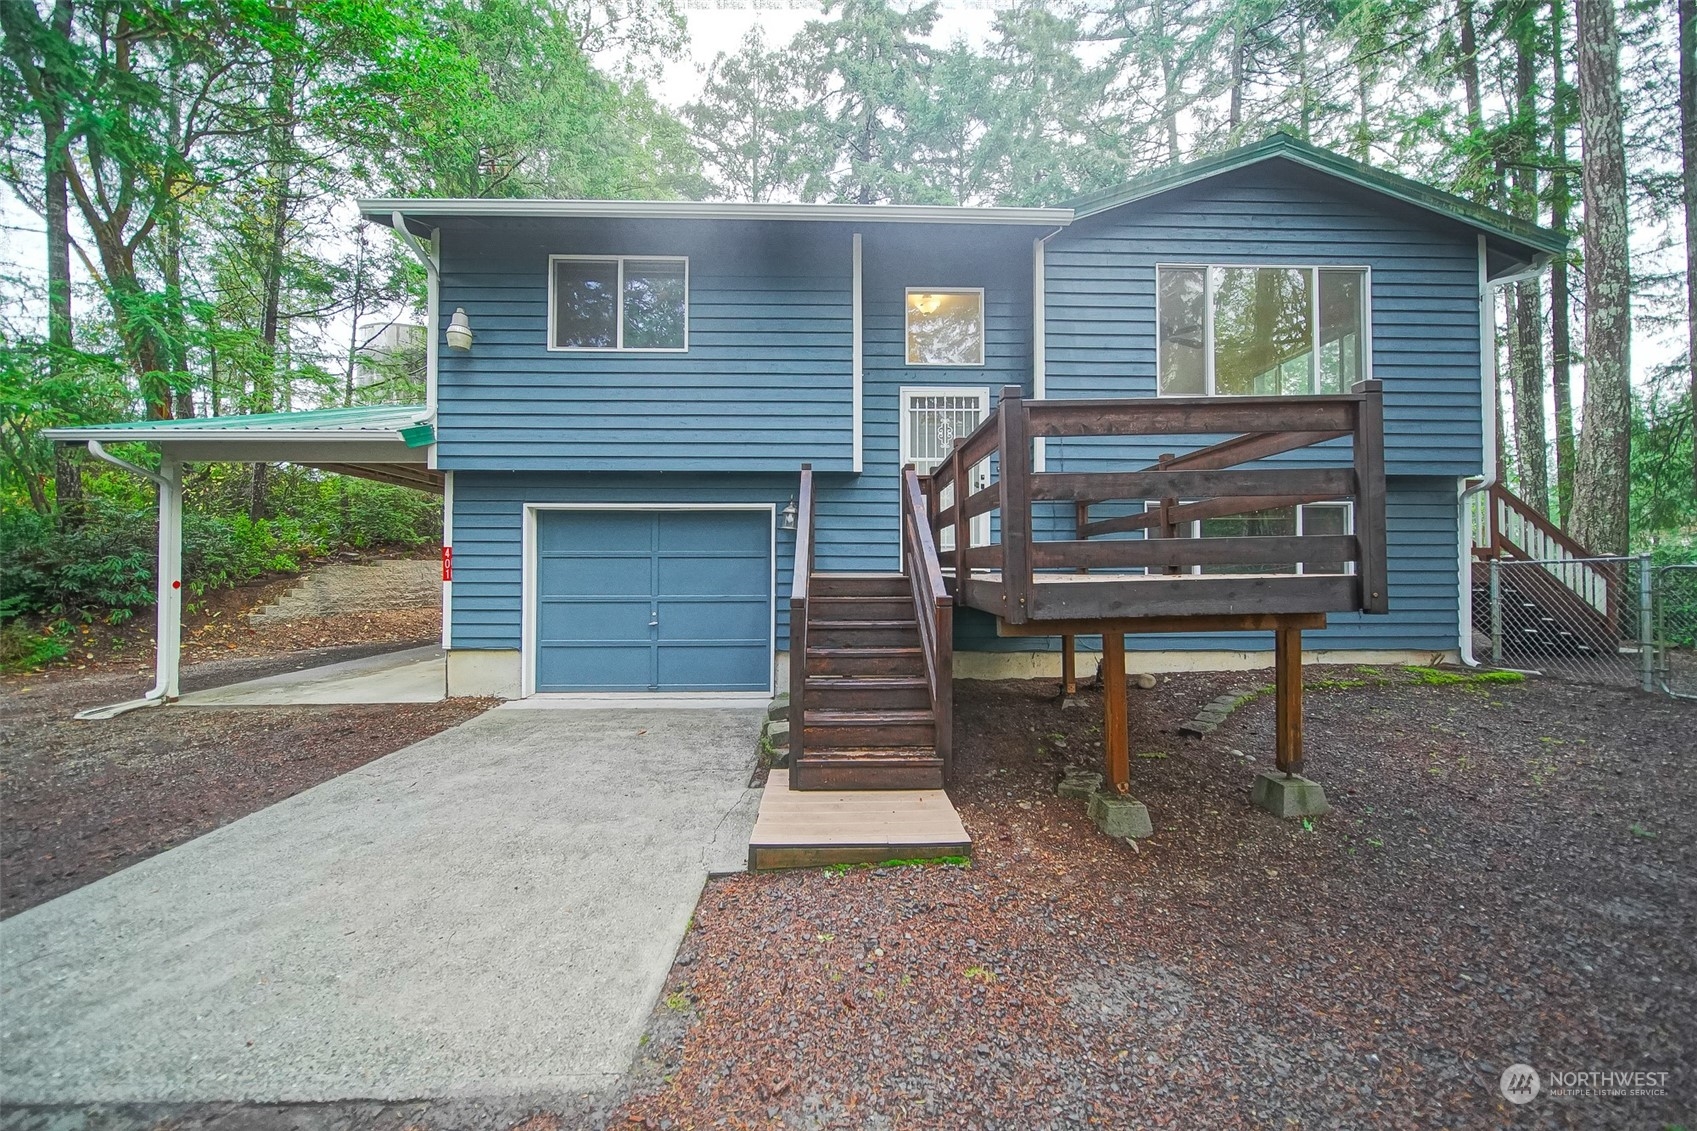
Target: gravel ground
(81, 800)
(1509, 875)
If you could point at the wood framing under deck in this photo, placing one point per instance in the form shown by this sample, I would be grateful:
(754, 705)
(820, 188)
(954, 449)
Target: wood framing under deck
(810, 828)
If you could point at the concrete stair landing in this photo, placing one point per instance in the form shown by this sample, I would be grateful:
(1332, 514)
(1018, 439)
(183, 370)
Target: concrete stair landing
(811, 828)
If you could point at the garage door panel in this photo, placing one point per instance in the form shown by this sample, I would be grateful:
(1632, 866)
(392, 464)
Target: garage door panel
(594, 575)
(714, 576)
(696, 532)
(742, 620)
(617, 622)
(594, 667)
(686, 667)
(595, 530)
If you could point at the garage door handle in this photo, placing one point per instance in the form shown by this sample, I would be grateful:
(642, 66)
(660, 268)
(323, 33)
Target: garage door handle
(654, 623)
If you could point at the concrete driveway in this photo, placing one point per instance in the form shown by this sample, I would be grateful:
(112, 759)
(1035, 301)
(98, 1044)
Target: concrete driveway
(489, 912)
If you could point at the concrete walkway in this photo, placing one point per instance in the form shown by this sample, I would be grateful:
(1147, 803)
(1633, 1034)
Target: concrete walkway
(489, 912)
(415, 675)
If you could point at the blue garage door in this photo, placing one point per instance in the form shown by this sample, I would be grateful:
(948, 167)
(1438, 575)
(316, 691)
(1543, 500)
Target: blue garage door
(653, 601)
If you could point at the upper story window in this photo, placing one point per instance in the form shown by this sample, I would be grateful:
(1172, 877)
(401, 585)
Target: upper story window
(945, 326)
(1261, 331)
(618, 302)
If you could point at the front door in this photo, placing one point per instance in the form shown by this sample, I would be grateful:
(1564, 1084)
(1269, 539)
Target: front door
(931, 420)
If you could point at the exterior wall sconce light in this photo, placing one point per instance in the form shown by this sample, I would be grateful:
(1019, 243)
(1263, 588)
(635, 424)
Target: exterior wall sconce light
(788, 522)
(459, 330)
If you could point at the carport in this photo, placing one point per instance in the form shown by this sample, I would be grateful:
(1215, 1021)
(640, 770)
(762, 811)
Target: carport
(388, 443)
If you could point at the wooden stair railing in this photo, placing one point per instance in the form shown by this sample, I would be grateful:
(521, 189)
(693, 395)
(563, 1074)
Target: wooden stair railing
(933, 610)
(799, 586)
(1568, 584)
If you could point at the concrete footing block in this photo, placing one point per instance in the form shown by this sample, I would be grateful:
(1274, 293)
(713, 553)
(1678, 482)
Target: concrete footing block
(779, 708)
(1078, 783)
(1119, 815)
(1288, 795)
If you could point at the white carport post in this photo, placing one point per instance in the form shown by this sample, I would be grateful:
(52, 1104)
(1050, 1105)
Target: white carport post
(168, 632)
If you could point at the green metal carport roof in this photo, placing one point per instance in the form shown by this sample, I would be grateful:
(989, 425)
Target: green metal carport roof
(390, 443)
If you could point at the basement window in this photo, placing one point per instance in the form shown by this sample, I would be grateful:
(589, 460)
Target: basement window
(1261, 331)
(618, 302)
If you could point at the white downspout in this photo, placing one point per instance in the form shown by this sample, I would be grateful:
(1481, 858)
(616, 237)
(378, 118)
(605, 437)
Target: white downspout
(168, 602)
(1488, 426)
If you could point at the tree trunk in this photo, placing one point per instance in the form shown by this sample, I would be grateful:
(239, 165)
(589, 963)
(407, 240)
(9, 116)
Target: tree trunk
(279, 146)
(1602, 474)
(1527, 362)
(1526, 368)
(1235, 115)
(1688, 172)
(1561, 203)
(61, 335)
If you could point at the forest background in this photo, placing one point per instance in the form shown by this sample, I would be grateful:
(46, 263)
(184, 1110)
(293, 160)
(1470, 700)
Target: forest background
(182, 172)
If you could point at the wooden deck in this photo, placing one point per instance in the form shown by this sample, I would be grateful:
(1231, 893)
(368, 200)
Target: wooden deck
(810, 828)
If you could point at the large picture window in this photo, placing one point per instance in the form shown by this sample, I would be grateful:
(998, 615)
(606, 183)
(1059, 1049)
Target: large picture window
(945, 327)
(1260, 331)
(618, 302)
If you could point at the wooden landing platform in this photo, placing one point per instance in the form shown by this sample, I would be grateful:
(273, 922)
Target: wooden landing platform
(812, 828)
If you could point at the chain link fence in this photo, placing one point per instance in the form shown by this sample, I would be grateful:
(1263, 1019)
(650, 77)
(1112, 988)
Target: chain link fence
(1674, 595)
(1597, 620)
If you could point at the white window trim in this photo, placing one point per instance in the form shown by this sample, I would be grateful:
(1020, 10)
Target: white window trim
(529, 591)
(619, 310)
(983, 329)
(1208, 270)
(1195, 526)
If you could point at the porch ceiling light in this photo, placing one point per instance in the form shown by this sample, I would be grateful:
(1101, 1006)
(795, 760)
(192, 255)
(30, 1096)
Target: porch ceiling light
(459, 330)
(788, 521)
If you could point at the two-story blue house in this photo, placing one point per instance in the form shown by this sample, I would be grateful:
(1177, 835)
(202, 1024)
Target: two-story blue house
(620, 442)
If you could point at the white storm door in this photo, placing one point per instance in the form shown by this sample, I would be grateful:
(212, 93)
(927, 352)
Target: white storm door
(931, 419)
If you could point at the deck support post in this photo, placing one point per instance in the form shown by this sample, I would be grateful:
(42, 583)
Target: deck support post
(1287, 679)
(1116, 740)
(1069, 665)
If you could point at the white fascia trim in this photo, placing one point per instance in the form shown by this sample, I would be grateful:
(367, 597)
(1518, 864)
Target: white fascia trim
(389, 209)
(448, 548)
(1488, 451)
(432, 329)
(859, 357)
(1039, 345)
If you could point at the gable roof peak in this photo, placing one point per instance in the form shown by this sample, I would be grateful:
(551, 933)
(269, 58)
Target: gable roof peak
(1500, 226)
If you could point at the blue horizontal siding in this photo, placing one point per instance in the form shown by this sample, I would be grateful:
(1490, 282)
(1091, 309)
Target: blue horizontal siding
(857, 531)
(765, 384)
(1100, 304)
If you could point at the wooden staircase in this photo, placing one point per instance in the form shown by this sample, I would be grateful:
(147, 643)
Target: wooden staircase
(870, 664)
(1559, 599)
(867, 720)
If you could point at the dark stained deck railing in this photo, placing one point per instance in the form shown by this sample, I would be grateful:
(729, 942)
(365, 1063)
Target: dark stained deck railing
(1023, 580)
(934, 610)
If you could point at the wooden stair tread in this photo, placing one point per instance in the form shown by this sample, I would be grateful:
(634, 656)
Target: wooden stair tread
(833, 622)
(867, 682)
(870, 716)
(863, 650)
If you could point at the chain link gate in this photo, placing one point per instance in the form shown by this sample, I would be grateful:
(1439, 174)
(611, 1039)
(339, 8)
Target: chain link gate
(1588, 619)
(1675, 597)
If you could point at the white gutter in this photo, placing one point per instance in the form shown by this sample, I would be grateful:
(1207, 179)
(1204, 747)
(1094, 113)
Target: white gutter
(1488, 432)
(168, 602)
(395, 209)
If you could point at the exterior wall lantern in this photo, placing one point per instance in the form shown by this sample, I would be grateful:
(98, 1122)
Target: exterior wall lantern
(459, 330)
(788, 521)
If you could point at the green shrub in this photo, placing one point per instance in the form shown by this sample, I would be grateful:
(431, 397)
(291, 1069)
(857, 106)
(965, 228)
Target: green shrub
(107, 560)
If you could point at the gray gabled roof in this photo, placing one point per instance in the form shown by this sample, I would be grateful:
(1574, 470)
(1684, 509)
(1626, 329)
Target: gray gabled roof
(1542, 242)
